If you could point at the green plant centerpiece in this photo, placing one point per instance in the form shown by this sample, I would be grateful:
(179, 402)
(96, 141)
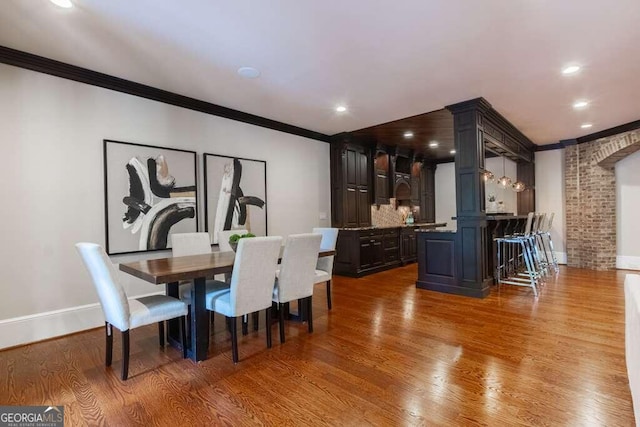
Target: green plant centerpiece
(234, 238)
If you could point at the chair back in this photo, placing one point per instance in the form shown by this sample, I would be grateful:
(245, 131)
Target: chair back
(104, 275)
(185, 244)
(550, 222)
(297, 270)
(254, 273)
(329, 239)
(527, 228)
(223, 238)
(542, 220)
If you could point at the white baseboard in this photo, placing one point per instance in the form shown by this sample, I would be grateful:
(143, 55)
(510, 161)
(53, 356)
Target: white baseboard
(624, 262)
(50, 324)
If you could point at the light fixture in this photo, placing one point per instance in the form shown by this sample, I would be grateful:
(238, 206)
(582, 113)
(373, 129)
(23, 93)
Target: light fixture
(505, 181)
(433, 144)
(488, 176)
(63, 3)
(518, 186)
(408, 134)
(248, 72)
(580, 104)
(586, 126)
(452, 152)
(341, 108)
(571, 69)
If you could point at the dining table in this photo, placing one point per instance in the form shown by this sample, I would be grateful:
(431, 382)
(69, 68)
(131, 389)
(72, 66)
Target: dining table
(171, 271)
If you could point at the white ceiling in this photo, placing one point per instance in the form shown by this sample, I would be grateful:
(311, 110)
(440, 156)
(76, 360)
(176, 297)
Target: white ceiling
(385, 60)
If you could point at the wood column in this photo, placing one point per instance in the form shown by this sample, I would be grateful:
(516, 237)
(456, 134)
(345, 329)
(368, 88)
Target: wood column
(471, 252)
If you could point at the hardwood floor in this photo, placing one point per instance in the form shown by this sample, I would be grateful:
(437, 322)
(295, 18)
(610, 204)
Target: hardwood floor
(387, 354)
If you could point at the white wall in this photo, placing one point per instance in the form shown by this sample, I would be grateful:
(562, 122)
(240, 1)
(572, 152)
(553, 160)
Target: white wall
(506, 195)
(445, 183)
(550, 195)
(51, 150)
(627, 212)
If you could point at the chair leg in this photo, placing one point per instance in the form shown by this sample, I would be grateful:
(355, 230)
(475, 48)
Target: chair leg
(234, 338)
(125, 355)
(281, 321)
(109, 339)
(183, 336)
(245, 324)
(268, 323)
(309, 313)
(161, 333)
(329, 294)
(256, 320)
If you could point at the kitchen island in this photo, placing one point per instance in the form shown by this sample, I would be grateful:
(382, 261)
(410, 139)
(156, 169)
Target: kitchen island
(366, 250)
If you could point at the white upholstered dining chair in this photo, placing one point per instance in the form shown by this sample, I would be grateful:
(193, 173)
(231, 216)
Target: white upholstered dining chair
(251, 286)
(324, 266)
(185, 244)
(296, 276)
(127, 314)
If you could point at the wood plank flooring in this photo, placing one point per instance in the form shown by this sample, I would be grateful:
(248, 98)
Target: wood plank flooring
(387, 354)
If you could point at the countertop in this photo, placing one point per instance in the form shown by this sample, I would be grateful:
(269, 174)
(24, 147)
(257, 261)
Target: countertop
(417, 225)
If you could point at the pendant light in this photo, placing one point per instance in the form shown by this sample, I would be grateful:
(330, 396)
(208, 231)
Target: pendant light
(504, 181)
(518, 186)
(488, 176)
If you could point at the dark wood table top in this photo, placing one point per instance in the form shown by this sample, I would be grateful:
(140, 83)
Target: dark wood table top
(175, 269)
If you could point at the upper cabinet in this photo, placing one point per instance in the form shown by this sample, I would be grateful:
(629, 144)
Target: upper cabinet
(350, 185)
(381, 178)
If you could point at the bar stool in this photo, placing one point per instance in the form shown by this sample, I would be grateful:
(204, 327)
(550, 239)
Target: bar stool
(517, 264)
(547, 244)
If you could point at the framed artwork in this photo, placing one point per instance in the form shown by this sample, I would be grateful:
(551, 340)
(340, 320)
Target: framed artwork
(150, 192)
(235, 194)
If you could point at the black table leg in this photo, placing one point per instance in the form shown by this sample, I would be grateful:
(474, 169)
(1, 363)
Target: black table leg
(199, 321)
(173, 325)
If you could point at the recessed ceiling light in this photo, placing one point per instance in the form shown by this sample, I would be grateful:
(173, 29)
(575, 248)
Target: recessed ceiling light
(248, 72)
(63, 3)
(586, 126)
(408, 134)
(433, 144)
(341, 108)
(571, 69)
(580, 104)
(452, 151)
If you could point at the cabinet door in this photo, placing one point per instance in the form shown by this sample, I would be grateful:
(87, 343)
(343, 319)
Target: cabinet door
(364, 208)
(413, 247)
(366, 253)
(382, 189)
(350, 165)
(427, 194)
(377, 251)
(363, 169)
(404, 246)
(351, 207)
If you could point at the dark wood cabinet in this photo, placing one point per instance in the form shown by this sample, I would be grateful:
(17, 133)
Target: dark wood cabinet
(371, 251)
(416, 170)
(361, 252)
(350, 186)
(408, 247)
(381, 177)
(427, 192)
(390, 242)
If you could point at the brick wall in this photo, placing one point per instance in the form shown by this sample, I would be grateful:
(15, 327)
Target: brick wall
(590, 194)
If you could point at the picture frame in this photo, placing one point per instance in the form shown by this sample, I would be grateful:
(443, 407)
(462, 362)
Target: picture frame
(150, 193)
(235, 190)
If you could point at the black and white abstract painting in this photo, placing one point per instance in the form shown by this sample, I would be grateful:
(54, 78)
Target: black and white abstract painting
(235, 194)
(150, 192)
